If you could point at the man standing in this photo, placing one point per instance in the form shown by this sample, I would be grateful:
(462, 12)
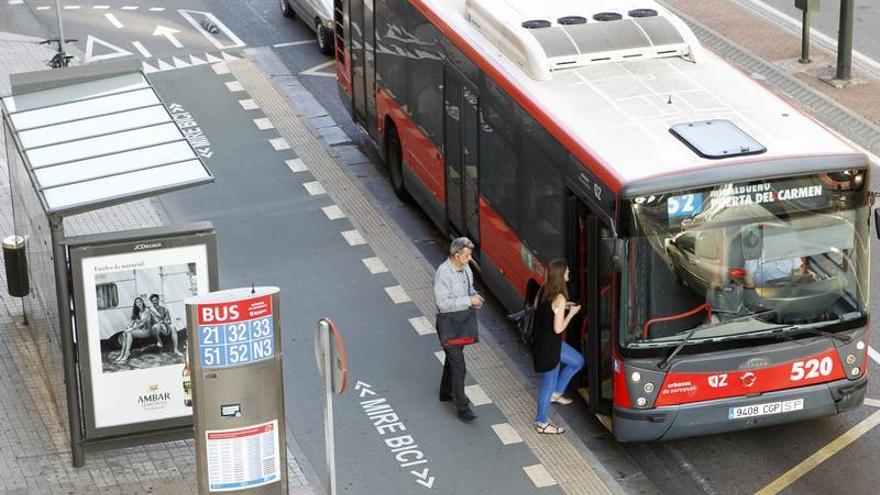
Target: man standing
(162, 323)
(454, 294)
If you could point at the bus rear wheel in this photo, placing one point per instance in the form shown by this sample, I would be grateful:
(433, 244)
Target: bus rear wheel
(394, 159)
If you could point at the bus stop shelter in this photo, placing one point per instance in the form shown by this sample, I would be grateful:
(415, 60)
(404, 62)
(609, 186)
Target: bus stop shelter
(80, 140)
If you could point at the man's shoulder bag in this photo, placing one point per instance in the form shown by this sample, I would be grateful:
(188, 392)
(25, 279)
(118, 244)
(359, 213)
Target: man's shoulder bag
(458, 328)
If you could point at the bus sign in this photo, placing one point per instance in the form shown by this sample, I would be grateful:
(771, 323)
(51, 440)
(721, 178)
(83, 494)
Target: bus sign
(236, 333)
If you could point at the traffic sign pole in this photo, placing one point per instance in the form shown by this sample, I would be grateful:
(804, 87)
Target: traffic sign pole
(329, 442)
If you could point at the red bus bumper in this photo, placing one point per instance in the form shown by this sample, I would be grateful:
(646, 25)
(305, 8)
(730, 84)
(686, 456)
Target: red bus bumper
(712, 417)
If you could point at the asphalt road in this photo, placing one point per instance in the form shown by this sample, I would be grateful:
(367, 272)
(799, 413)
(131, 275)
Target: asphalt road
(722, 464)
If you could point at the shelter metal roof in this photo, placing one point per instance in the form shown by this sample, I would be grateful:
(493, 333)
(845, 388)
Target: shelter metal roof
(101, 142)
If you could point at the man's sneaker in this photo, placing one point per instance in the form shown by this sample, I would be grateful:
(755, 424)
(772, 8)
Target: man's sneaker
(467, 415)
(560, 399)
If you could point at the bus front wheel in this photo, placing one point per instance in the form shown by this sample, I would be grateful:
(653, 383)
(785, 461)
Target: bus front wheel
(394, 159)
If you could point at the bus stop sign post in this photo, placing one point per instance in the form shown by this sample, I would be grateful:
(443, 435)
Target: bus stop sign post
(806, 6)
(234, 344)
(333, 367)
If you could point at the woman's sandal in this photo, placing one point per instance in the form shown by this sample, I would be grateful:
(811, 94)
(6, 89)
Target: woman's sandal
(549, 429)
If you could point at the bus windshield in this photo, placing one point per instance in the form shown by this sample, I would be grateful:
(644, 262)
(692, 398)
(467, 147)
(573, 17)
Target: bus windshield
(746, 259)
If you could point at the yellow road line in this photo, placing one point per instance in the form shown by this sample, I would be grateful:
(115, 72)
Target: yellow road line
(821, 455)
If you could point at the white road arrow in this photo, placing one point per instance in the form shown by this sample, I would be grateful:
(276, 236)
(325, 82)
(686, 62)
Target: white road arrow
(168, 33)
(423, 480)
(365, 389)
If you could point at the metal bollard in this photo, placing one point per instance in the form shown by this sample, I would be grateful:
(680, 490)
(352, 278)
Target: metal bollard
(15, 259)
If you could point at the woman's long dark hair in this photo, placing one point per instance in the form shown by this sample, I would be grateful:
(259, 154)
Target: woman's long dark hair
(135, 310)
(556, 283)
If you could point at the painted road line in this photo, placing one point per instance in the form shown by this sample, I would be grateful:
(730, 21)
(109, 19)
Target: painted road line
(212, 59)
(115, 51)
(234, 86)
(163, 65)
(196, 60)
(148, 69)
(168, 33)
(113, 20)
(43, 7)
(295, 43)
(180, 64)
(220, 69)
(248, 104)
(477, 395)
(872, 402)
(157, 9)
(539, 475)
(227, 56)
(375, 265)
(140, 48)
(314, 188)
(263, 124)
(16, 2)
(71, 7)
(279, 144)
(821, 455)
(333, 212)
(189, 15)
(874, 354)
(316, 70)
(296, 165)
(130, 7)
(441, 356)
(507, 434)
(353, 237)
(100, 7)
(421, 324)
(397, 294)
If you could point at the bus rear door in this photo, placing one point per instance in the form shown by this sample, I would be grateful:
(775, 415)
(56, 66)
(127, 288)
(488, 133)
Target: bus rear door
(591, 279)
(461, 139)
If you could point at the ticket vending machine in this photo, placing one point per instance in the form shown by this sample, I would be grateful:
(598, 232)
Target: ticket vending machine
(238, 403)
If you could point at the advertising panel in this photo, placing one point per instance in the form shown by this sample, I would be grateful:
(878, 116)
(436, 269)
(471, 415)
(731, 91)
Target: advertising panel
(131, 327)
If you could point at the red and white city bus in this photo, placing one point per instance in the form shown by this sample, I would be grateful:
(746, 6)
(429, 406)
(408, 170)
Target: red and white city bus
(718, 238)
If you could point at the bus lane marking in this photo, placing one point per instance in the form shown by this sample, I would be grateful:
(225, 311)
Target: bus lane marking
(296, 165)
(191, 130)
(314, 188)
(539, 475)
(397, 294)
(821, 455)
(406, 452)
(506, 433)
(333, 212)
(874, 354)
(422, 325)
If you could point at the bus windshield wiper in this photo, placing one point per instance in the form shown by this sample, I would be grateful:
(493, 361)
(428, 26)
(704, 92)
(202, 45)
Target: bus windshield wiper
(678, 348)
(814, 328)
(684, 341)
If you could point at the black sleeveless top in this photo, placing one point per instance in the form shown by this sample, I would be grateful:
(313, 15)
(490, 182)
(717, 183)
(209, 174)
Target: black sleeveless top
(547, 344)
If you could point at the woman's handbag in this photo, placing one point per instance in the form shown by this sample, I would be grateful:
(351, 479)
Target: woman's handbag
(524, 320)
(458, 328)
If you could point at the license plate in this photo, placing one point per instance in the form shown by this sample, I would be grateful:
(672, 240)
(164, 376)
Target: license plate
(765, 409)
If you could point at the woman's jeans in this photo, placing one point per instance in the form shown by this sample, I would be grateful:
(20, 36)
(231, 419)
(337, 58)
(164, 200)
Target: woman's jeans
(556, 380)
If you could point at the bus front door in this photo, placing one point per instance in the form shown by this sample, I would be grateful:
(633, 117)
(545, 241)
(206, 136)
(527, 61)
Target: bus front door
(461, 127)
(362, 33)
(592, 286)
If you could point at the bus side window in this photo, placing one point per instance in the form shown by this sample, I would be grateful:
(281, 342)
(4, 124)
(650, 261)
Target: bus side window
(108, 296)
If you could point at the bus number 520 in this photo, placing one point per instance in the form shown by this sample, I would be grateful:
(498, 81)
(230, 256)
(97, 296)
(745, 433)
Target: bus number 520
(811, 368)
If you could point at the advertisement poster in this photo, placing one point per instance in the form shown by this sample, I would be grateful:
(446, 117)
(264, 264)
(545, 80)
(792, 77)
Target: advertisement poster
(135, 329)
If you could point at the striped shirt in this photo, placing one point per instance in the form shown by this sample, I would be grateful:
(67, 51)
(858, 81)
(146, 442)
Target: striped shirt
(453, 287)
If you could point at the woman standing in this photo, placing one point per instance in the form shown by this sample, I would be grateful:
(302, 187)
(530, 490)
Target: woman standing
(555, 360)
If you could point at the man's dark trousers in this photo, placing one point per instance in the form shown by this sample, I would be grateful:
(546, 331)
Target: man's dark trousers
(452, 383)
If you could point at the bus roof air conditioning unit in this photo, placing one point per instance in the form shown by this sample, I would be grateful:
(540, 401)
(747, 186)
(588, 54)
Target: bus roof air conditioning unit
(542, 39)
